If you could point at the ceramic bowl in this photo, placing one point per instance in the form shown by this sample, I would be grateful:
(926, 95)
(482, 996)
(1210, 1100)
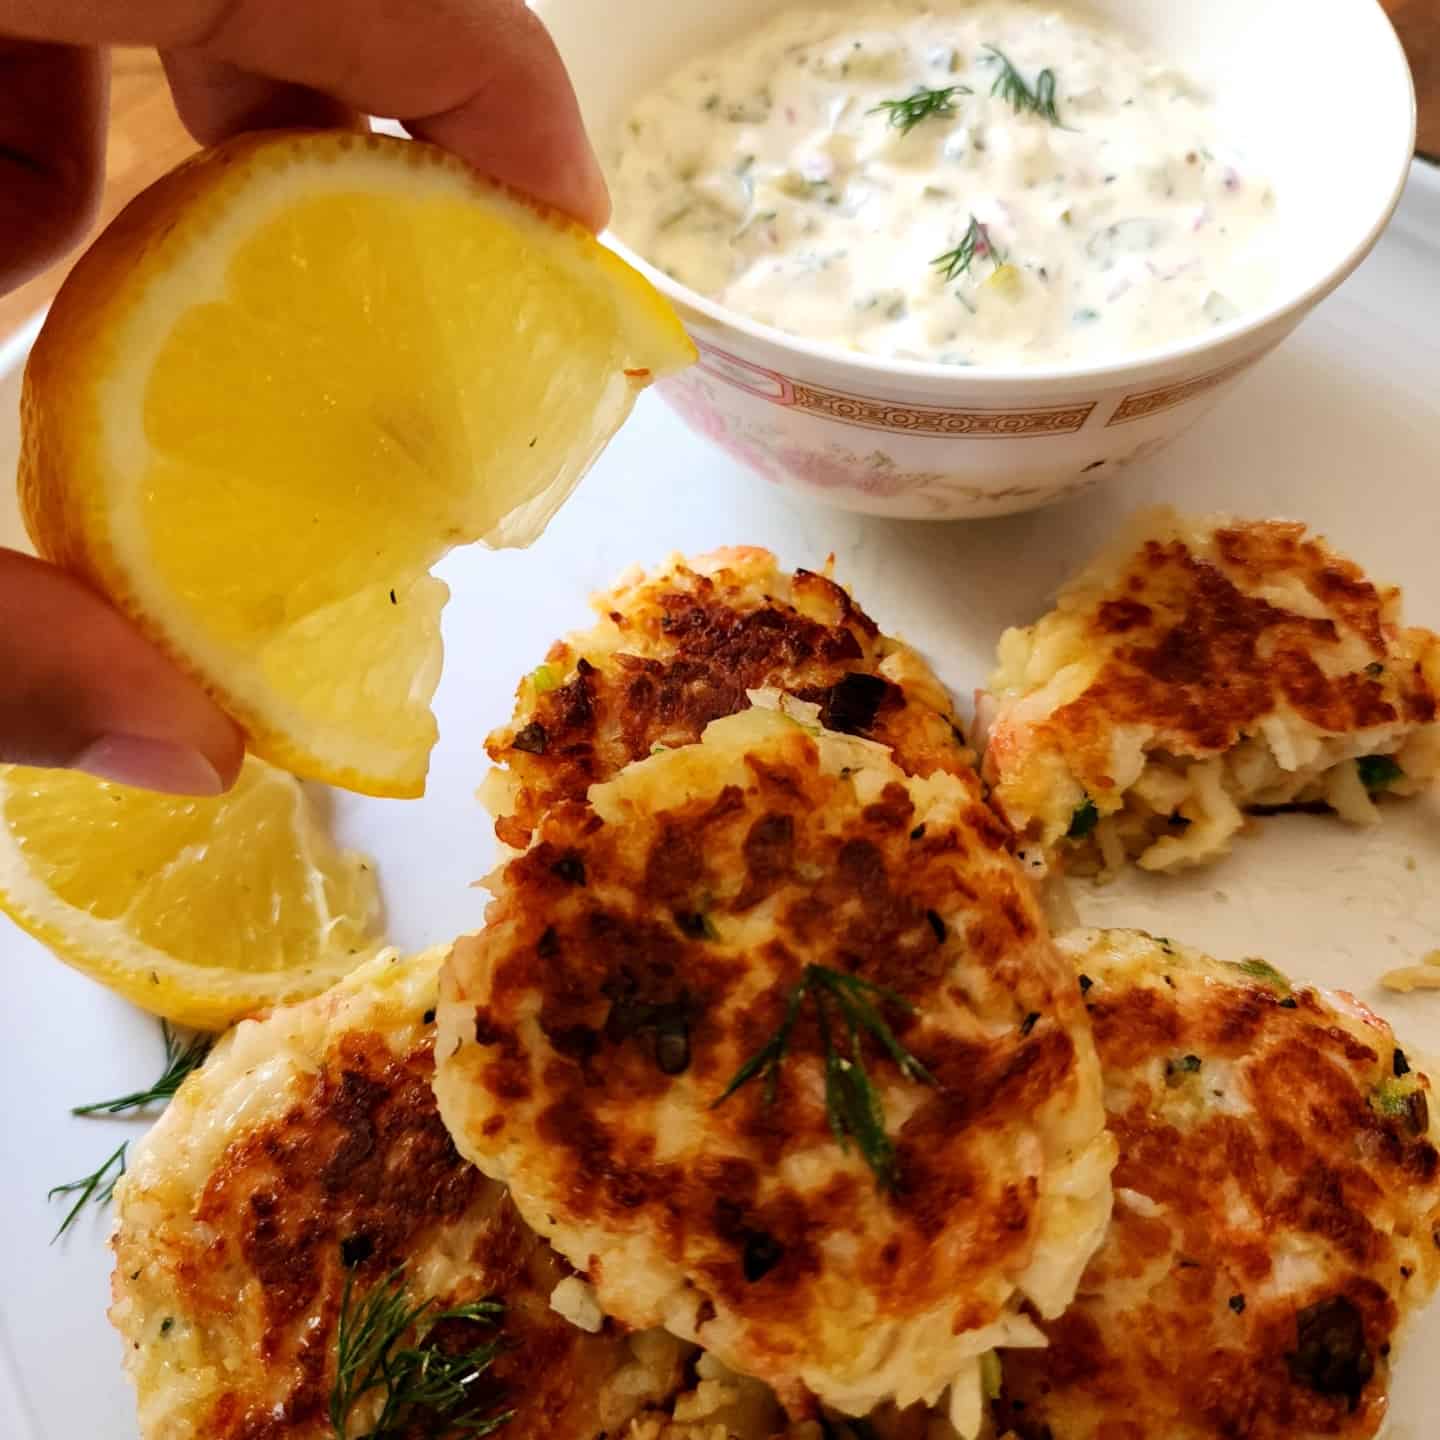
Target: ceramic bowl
(911, 439)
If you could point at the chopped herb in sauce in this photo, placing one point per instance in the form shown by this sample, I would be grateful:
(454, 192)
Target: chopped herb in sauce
(975, 245)
(922, 104)
(1179, 1070)
(764, 163)
(1010, 85)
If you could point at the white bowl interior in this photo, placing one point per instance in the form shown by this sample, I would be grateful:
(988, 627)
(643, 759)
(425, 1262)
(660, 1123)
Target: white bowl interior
(1316, 93)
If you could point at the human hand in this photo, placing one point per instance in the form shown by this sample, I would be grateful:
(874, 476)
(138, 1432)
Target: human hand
(79, 686)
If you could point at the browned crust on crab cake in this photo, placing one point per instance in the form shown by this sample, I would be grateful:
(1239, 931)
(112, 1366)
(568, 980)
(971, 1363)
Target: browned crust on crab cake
(1277, 1211)
(1197, 652)
(1201, 640)
(680, 647)
(648, 943)
(311, 1142)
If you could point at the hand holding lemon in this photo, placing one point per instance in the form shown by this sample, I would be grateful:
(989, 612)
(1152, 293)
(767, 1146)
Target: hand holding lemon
(480, 77)
(284, 382)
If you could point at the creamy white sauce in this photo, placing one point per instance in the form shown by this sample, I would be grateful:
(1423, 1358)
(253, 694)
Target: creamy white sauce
(765, 177)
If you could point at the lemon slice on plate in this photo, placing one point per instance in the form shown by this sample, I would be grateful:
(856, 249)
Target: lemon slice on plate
(287, 379)
(200, 910)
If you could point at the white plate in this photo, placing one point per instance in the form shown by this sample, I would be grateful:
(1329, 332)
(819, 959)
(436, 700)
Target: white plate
(1341, 427)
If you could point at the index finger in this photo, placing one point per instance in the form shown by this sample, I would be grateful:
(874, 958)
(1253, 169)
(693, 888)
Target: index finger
(480, 77)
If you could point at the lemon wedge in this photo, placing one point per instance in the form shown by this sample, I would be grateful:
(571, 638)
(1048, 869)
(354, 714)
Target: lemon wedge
(200, 910)
(284, 382)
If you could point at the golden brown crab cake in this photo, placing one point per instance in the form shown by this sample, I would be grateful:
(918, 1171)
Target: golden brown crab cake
(1199, 669)
(309, 1147)
(682, 646)
(1277, 1210)
(844, 1224)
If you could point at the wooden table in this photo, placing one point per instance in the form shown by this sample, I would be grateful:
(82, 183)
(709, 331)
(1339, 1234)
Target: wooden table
(146, 139)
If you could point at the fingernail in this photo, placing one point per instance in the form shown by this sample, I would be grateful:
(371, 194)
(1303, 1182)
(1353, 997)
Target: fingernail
(599, 190)
(149, 765)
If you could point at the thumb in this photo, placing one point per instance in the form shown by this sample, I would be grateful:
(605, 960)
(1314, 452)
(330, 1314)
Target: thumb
(81, 688)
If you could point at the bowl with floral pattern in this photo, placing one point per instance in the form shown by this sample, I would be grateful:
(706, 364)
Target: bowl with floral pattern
(921, 437)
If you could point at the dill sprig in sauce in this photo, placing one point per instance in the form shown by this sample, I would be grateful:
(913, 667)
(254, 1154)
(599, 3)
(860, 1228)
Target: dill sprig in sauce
(419, 1383)
(922, 104)
(1010, 85)
(975, 245)
(182, 1057)
(852, 1104)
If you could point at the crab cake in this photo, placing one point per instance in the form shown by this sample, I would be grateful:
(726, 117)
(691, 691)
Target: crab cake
(681, 647)
(768, 1039)
(1199, 669)
(307, 1149)
(1277, 1211)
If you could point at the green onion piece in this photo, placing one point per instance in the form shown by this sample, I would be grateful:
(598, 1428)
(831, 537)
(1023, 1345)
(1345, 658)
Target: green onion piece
(991, 1374)
(1084, 820)
(1265, 973)
(1378, 772)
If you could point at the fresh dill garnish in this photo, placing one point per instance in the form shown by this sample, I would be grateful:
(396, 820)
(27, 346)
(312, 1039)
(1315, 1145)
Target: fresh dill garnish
(181, 1057)
(1010, 85)
(419, 1382)
(98, 1188)
(975, 245)
(921, 104)
(852, 1105)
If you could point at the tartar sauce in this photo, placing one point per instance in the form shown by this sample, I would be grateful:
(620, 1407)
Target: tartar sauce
(996, 183)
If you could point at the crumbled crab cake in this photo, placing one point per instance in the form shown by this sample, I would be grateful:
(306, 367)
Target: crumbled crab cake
(1277, 1210)
(721, 1405)
(684, 645)
(307, 1147)
(845, 1225)
(1199, 669)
